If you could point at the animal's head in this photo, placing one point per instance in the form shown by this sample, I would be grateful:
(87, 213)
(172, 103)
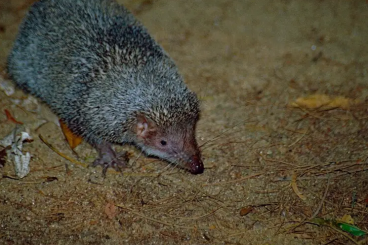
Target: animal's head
(175, 143)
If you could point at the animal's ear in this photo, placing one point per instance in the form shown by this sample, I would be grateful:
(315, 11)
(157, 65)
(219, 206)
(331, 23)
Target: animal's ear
(145, 126)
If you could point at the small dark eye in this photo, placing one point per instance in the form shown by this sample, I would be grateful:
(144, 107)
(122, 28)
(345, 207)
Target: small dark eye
(163, 142)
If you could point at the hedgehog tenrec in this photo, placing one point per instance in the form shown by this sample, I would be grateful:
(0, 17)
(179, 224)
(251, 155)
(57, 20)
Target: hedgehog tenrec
(101, 72)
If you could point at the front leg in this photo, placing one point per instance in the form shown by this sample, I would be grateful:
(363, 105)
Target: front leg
(108, 158)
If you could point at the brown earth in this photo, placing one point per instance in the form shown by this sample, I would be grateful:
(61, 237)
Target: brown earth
(271, 168)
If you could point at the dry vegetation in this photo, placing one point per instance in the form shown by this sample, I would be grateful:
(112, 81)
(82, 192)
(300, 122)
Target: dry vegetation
(275, 173)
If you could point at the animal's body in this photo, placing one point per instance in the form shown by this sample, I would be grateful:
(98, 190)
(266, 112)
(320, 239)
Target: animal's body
(101, 72)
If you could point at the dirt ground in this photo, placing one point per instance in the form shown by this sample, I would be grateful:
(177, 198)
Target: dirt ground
(276, 171)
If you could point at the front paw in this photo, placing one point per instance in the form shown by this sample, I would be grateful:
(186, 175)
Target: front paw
(111, 159)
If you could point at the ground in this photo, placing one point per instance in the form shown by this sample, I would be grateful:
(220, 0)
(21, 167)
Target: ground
(277, 170)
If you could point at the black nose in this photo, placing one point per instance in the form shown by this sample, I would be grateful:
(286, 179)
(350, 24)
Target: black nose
(196, 165)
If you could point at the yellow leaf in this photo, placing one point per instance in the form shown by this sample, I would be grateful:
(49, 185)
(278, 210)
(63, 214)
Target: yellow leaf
(295, 187)
(323, 102)
(347, 219)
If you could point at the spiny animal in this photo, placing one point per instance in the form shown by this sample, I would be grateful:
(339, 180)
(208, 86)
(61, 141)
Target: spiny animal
(100, 71)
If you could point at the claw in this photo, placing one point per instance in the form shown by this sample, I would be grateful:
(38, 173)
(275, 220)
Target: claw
(108, 158)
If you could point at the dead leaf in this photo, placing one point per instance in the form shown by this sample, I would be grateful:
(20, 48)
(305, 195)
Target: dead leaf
(10, 117)
(110, 210)
(93, 222)
(3, 157)
(50, 179)
(246, 210)
(295, 187)
(73, 140)
(323, 102)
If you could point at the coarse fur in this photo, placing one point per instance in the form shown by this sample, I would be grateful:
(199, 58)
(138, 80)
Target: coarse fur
(100, 71)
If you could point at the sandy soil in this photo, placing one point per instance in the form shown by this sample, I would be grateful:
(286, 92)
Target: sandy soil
(271, 168)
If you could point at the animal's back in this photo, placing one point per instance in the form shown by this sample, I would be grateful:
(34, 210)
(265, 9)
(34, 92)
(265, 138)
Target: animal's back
(83, 58)
(62, 41)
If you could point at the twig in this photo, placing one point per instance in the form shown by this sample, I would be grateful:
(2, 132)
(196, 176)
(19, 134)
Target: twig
(84, 165)
(299, 139)
(154, 220)
(344, 234)
(234, 181)
(323, 199)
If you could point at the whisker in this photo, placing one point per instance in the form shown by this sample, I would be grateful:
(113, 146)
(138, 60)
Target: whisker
(221, 134)
(136, 159)
(165, 168)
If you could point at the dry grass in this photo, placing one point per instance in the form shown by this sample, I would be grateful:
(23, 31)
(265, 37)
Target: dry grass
(271, 169)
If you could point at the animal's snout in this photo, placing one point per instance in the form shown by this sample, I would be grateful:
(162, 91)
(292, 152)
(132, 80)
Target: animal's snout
(196, 165)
